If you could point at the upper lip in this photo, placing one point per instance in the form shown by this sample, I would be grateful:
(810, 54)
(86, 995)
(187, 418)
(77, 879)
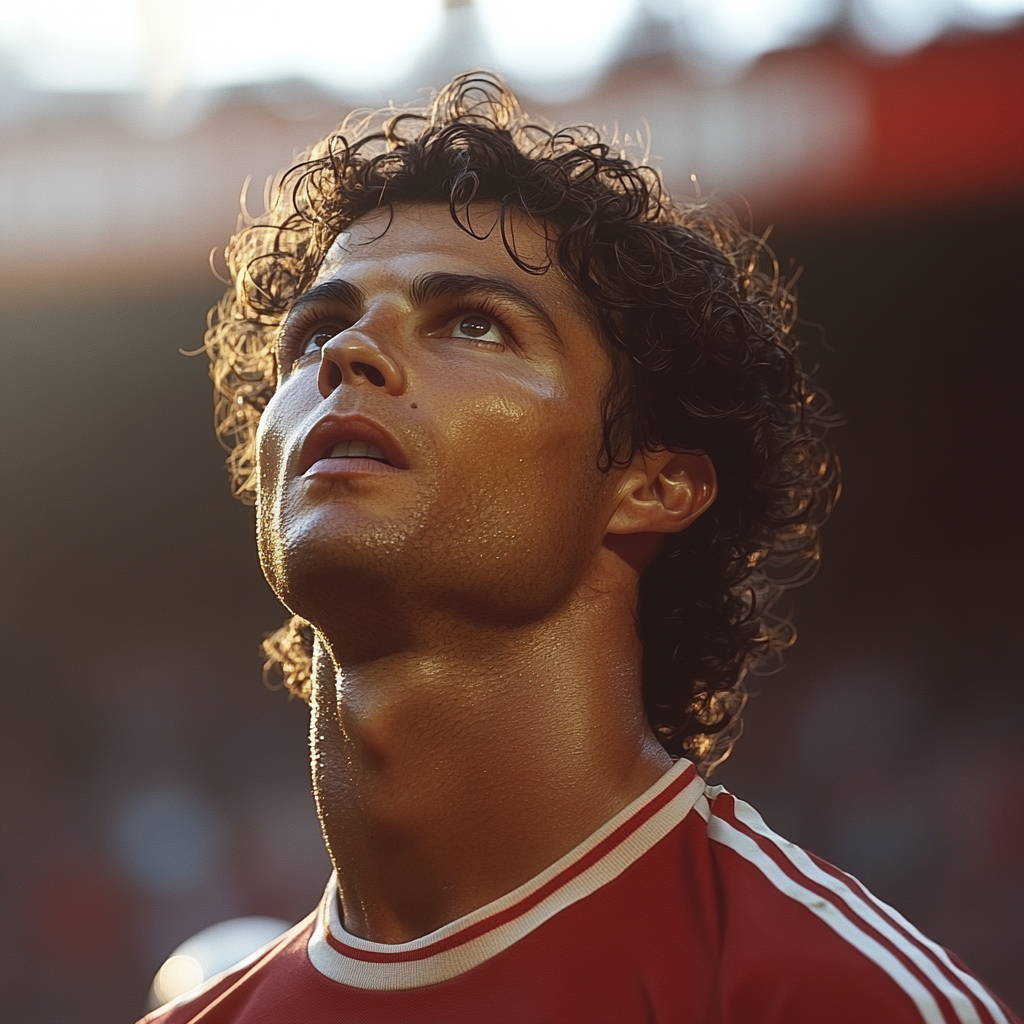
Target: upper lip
(333, 428)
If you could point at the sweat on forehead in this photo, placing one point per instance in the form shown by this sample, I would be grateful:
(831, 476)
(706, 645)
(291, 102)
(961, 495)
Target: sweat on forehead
(526, 239)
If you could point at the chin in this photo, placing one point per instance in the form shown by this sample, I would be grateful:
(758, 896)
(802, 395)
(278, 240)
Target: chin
(315, 562)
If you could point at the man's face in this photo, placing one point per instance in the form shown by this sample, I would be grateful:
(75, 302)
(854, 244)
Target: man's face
(437, 426)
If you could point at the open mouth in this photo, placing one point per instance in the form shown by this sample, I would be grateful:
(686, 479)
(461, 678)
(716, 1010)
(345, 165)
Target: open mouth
(342, 446)
(358, 450)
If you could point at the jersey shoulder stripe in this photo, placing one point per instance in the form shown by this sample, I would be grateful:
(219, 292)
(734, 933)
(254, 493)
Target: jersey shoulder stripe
(722, 831)
(869, 926)
(989, 1008)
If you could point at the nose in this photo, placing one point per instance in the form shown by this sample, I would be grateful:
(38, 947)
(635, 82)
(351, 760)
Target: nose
(352, 357)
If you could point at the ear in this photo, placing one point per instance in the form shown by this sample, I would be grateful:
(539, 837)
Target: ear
(663, 492)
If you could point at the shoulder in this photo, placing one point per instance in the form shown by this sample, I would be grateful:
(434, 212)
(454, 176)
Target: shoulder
(804, 941)
(278, 970)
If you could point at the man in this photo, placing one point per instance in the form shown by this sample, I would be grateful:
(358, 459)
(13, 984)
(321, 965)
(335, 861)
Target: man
(531, 449)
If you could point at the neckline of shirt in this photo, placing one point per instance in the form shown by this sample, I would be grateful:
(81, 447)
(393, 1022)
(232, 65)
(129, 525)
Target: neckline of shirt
(468, 941)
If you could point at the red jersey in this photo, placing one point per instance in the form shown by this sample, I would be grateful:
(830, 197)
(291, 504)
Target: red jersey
(685, 908)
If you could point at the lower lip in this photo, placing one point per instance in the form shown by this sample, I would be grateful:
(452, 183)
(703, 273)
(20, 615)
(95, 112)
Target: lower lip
(349, 467)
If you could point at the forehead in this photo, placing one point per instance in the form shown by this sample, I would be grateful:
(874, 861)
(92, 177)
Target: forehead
(407, 240)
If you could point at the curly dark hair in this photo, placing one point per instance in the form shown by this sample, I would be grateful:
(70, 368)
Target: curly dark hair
(696, 320)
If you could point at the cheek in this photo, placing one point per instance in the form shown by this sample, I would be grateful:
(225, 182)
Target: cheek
(516, 515)
(283, 411)
(486, 430)
(269, 448)
(521, 453)
(514, 410)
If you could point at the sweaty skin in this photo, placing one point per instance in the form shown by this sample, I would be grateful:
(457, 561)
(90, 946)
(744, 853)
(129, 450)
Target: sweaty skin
(477, 704)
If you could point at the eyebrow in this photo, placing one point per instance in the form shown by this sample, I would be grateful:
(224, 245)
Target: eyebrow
(436, 285)
(337, 292)
(340, 292)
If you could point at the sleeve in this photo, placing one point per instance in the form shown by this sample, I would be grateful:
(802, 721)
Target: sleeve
(805, 943)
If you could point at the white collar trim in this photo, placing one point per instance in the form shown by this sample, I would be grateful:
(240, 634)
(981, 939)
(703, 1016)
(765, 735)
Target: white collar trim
(467, 942)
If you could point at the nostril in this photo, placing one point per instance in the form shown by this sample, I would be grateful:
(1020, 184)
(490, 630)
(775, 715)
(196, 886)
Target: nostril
(330, 378)
(371, 373)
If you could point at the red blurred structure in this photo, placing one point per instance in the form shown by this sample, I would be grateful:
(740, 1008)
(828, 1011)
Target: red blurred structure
(945, 123)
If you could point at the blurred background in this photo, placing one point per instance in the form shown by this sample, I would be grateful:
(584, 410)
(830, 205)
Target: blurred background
(152, 785)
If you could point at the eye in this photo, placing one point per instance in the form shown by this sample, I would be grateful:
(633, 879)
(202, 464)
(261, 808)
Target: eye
(479, 328)
(316, 341)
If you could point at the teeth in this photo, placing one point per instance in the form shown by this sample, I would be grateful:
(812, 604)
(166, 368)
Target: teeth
(356, 450)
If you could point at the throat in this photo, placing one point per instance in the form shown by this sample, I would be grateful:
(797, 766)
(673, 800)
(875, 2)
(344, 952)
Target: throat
(441, 789)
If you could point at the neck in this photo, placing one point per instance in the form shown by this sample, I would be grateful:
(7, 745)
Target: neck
(448, 774)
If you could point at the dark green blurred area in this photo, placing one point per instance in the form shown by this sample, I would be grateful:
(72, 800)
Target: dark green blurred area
(892, 744)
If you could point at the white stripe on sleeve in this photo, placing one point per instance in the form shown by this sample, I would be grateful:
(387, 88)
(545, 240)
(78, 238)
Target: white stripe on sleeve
(879, 917)
(722, 832)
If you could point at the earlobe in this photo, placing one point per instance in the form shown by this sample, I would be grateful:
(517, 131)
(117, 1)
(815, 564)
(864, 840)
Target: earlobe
(664, 492)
